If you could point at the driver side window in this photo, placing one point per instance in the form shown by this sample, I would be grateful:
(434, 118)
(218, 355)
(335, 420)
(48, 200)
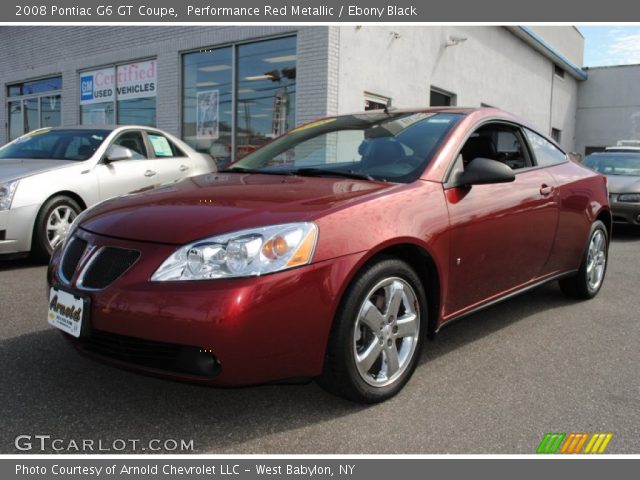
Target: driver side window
(135, 142)
(495, 141)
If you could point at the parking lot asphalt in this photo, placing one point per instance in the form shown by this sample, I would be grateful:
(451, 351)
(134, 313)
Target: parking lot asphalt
(495, 382)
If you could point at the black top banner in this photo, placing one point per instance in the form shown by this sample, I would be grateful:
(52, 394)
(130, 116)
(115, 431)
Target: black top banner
(302, 11)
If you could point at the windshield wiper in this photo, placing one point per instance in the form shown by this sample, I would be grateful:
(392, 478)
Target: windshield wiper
(319, 172)
(255, 170)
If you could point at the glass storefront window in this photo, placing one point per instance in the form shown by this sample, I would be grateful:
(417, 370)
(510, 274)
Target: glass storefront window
(124, 94)
(31, 114)
(207, 78)
(266, 92)
(32, 105)
(139, 111)
(15, 120)
(264, 96)
(97, 114)
(35, 86)
(50, 111)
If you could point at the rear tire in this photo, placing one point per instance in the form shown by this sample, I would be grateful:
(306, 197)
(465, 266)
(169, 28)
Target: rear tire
(587, 282)
(52, 225)
(377, 335)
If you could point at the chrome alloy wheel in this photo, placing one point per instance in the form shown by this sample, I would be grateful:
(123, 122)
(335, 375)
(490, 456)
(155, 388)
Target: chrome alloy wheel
(386, 332)
(59, 224)
(596, 259)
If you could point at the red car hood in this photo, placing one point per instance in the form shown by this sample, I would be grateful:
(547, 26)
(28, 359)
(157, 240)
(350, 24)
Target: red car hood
(211, 204)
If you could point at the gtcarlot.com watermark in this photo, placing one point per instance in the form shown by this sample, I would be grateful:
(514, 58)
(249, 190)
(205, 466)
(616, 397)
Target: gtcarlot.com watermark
(48, 443)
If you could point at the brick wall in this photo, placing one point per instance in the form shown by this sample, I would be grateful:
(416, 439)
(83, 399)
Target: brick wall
(32, 52)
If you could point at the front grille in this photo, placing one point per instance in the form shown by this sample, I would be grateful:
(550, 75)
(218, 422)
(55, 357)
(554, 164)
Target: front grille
(107, 265)
(147, 353)
(72, 256)
(132, 350)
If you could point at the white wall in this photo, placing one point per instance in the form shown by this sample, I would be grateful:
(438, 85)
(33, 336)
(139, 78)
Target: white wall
(492, 66)
(566, 39)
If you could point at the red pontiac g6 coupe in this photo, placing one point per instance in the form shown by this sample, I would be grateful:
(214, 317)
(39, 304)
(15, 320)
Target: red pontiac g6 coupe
(331, 252)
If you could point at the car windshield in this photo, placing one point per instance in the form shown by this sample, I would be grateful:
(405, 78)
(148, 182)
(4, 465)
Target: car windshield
(78, 144)
(393, 147)
(614, 163)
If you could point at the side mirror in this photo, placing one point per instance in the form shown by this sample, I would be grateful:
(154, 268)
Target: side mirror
(482, 171)
(116, 153)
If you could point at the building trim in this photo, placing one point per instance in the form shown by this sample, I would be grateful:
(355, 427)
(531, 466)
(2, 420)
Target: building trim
(542, 46)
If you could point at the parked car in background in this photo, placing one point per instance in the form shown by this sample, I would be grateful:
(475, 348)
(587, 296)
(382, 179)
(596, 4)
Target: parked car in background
(623, 171)
(48, 176)
(331, 252)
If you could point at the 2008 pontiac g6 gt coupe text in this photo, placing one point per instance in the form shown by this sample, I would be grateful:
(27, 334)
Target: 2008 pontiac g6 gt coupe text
(331, 252)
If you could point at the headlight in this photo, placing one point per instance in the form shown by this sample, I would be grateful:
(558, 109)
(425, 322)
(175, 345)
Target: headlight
(245, 253)
(7, 190)
(629, 197)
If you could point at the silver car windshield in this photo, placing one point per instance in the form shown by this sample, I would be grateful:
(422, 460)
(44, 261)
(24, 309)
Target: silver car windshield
(79, 144)
(614, 163)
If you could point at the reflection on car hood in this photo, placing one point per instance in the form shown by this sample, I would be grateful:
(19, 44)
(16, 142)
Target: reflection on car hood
(11, 169)
(212, 204)
(623, 184)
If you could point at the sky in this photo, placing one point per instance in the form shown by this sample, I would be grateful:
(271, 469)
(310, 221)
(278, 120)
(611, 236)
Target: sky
(610, 45)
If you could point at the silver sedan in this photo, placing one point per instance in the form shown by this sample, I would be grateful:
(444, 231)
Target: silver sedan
(623, 173)
(48, 176)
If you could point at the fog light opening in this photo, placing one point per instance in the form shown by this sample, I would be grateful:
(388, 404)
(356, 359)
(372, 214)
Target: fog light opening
(638, 218)
(198, 361)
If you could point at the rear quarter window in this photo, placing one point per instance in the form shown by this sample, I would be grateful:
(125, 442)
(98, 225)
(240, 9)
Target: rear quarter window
(546, 153)
(163, 147)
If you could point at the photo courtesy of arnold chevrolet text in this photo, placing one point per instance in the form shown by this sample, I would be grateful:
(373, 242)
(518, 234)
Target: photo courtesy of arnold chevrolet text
(303, 240)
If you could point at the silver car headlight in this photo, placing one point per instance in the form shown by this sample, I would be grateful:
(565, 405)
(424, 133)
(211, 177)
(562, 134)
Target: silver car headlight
(245, 253)
(7, 191)
(629, 197)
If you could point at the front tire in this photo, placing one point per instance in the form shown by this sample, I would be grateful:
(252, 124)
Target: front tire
(377, 335)
(587, 282)
(52, 226)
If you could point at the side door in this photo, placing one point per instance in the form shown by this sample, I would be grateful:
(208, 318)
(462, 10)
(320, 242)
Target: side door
(127, 175)
(172, 163)
(501, 234)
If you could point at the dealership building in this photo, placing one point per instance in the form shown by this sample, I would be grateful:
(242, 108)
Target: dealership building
(228, 89)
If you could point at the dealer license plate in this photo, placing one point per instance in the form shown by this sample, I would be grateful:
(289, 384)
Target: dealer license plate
(66, 311)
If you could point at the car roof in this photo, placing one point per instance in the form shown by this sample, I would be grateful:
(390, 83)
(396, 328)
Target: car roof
(99, 127)
(615, 153)
(622, 149)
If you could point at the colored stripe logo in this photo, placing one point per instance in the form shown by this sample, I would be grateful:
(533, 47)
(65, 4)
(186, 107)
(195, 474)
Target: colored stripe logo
(574, 443)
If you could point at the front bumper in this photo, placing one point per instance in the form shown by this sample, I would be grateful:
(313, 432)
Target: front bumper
(16, 229)
(259, 329)
(624, 212)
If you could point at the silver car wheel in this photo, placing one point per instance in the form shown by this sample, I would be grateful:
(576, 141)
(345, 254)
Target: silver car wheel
(596, 259)
(59, 223)
(386, 332)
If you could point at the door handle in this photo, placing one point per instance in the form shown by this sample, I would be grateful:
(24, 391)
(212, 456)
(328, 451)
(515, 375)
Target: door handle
(545, 189)
(184, 168)
(149, 173)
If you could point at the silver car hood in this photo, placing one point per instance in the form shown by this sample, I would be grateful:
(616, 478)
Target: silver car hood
(623, 184)
(10, 169)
